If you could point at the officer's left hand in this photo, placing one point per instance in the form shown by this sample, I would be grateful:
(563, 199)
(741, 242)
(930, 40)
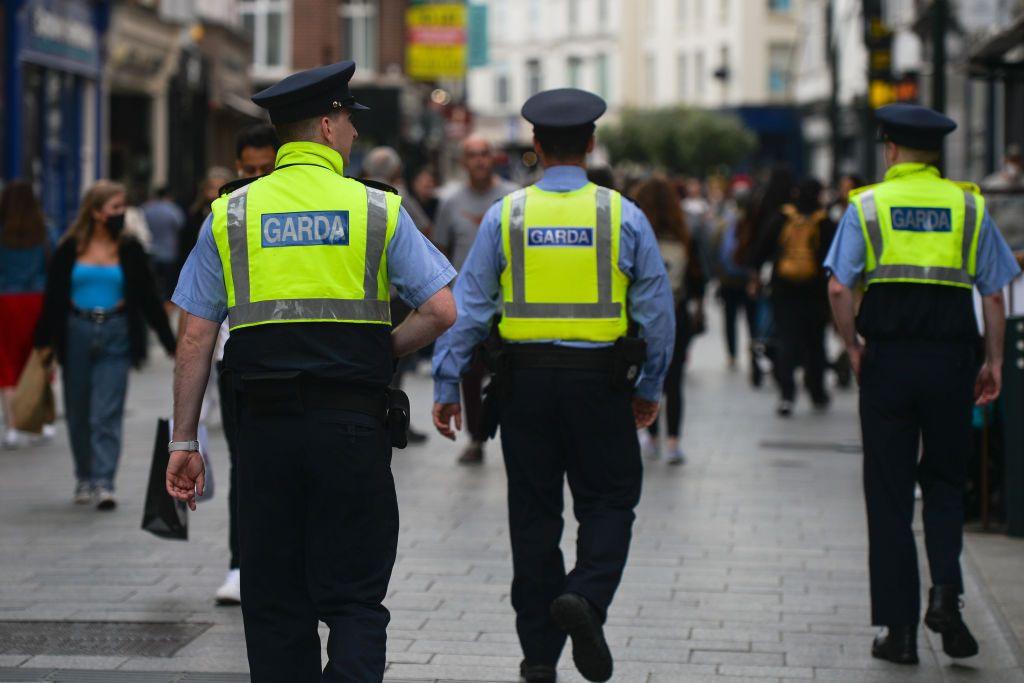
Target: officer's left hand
(644, 412)
(443, 414)
(988, 385)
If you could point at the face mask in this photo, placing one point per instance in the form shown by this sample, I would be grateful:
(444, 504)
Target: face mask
(115, 225)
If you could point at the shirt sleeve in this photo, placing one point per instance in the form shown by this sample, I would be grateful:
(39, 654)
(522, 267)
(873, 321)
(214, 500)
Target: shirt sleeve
(477, 296)
(415, 267)
(650, 298)
(845, 259)
(997, 266)
(201, 290)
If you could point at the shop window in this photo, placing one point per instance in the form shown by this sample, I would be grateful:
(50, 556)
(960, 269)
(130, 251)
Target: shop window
(601, 67)
(780, 70)
(534, 77)
(267, 23)
(574, 68)
(779, 5)
(359, 19)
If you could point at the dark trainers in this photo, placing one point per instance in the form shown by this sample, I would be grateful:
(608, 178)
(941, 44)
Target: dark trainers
(943, 617)
(537, 673)
(472, 455)
(574, 615)
(897, 644)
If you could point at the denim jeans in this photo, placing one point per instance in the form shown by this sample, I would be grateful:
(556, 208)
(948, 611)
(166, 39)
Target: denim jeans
(95, 382)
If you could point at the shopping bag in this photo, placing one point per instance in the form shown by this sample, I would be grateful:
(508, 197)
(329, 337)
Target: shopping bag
(162, 515)
(32, 405)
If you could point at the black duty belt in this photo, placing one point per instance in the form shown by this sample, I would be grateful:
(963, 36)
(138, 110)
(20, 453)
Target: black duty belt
(520, 356)
(97, 315)
(291, 392)
(343, 396)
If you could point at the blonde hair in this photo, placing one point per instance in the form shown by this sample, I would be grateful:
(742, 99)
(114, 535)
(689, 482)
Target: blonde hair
(95, 197)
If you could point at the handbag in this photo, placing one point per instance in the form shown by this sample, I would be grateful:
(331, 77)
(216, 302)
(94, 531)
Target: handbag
(162, 515)
(32, 405)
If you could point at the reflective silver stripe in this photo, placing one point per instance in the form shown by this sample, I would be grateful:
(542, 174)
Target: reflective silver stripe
(970, 225)
(870, 211)
(536, 310)
(238, 244)
(934, 273)
(309, 309)
(376, 234)
(604, 245)
(516, 219)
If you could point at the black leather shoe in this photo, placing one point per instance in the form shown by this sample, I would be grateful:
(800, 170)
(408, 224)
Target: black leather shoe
(573, 614)
(537, 673)
(943, 617)
(898, 644)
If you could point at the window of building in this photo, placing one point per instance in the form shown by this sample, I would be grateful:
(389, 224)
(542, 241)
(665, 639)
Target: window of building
(574, 71)
(681, 18)
(602, 13)
(501, 89)
(779, 5)
(651, 76)
(601, 69)
(574, 16)
(698, 13)
(699, 75)
(723, 11)
(359, 33)
(780, 70)
(534, 77)
(682, 78)
(534, 13)
(266, 22)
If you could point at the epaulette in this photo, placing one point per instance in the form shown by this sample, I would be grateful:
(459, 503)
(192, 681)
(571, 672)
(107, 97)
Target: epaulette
(377, 185)
(968, 186)
(860, 190)
(228, 188)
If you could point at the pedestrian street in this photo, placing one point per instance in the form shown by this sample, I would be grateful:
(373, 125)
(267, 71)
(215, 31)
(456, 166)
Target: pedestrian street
(748, 563)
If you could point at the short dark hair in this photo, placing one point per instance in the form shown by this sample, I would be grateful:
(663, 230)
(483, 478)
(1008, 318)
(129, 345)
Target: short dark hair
(564, 143)
(304, 129)
(258, 135)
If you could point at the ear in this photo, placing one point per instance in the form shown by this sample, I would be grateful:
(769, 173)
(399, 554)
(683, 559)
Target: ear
(538, 149)
(591, 143)
(325, 129)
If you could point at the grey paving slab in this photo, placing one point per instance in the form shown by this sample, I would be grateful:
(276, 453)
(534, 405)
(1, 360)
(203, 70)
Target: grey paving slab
(748, 563)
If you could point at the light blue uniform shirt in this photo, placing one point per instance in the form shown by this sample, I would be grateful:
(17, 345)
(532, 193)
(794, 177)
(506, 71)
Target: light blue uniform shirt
(415, 267)
(996, 263)
(478, 294)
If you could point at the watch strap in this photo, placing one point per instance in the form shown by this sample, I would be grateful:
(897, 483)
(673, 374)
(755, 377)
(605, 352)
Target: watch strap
(173, 446)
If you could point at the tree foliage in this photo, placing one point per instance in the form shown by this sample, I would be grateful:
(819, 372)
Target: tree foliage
(678, 139)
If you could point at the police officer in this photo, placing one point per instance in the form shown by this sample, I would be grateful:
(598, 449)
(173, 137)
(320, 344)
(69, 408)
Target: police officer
(922, 244)
(567, 265)
(301, 261)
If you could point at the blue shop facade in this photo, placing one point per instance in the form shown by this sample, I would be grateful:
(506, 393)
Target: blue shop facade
(51, 99)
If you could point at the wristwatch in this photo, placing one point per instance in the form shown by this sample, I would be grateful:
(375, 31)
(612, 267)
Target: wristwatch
(182, 446)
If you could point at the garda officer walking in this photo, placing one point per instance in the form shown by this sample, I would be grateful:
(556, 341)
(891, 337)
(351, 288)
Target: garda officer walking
(566, 264)
(301, 261)
(922, 244)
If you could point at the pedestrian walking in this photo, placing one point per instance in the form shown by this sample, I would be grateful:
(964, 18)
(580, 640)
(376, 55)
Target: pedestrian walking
(796, 243)
(458, 221)
(922, 244)
(658, 199)
(255, 151)
(300, 262)
(209, 189)
(100, 294)
(25, 249)
(166, 220)
(567, 265)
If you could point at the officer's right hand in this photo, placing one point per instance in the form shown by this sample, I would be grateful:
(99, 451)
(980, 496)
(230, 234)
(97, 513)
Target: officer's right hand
(644, 412)
(186, 474)
(443, 415)
(856, 354)
(988, 385)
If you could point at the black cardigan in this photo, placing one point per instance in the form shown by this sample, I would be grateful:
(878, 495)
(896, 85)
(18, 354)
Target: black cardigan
(142, 302)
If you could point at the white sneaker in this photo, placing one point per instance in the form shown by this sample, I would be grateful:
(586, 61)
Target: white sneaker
(230, 593)
(83, 493)
(676, 457)
(105, 500)
(649, 446)
(47, 435)
(14, 439)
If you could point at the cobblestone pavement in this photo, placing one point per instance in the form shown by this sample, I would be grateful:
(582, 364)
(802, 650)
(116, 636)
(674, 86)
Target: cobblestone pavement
(748, 563)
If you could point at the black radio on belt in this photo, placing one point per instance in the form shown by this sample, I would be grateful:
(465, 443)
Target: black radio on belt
(628, 356)
(398, 417)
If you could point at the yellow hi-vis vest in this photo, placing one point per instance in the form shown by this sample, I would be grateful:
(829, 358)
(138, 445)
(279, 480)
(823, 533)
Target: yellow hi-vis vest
(305, 244)
(561, 278)
(920, 228)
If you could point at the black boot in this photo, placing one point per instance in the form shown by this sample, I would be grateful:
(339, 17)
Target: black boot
(898, 645)
(574, 615)
(536, 673)
(943, 617)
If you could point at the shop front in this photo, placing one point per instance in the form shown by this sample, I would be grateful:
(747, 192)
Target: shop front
(53, 108)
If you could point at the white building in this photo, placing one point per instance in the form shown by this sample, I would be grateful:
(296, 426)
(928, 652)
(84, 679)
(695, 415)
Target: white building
(635, 53)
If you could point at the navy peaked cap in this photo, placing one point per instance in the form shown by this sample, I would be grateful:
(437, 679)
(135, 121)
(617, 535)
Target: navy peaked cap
(310, 93)
(563, 108)
(914, 126)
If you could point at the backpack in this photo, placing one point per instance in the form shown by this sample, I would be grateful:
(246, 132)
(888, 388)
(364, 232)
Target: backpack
(798, 245)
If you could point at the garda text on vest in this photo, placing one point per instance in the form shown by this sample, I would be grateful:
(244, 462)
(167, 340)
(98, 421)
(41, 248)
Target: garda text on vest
(560, 237)
(921, 219)
(305, 228)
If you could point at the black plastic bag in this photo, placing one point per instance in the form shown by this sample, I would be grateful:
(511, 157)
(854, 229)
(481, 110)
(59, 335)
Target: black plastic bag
(162, 515)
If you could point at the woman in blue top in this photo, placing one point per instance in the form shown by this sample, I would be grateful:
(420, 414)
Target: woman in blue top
(99, 293)
(23, 252)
